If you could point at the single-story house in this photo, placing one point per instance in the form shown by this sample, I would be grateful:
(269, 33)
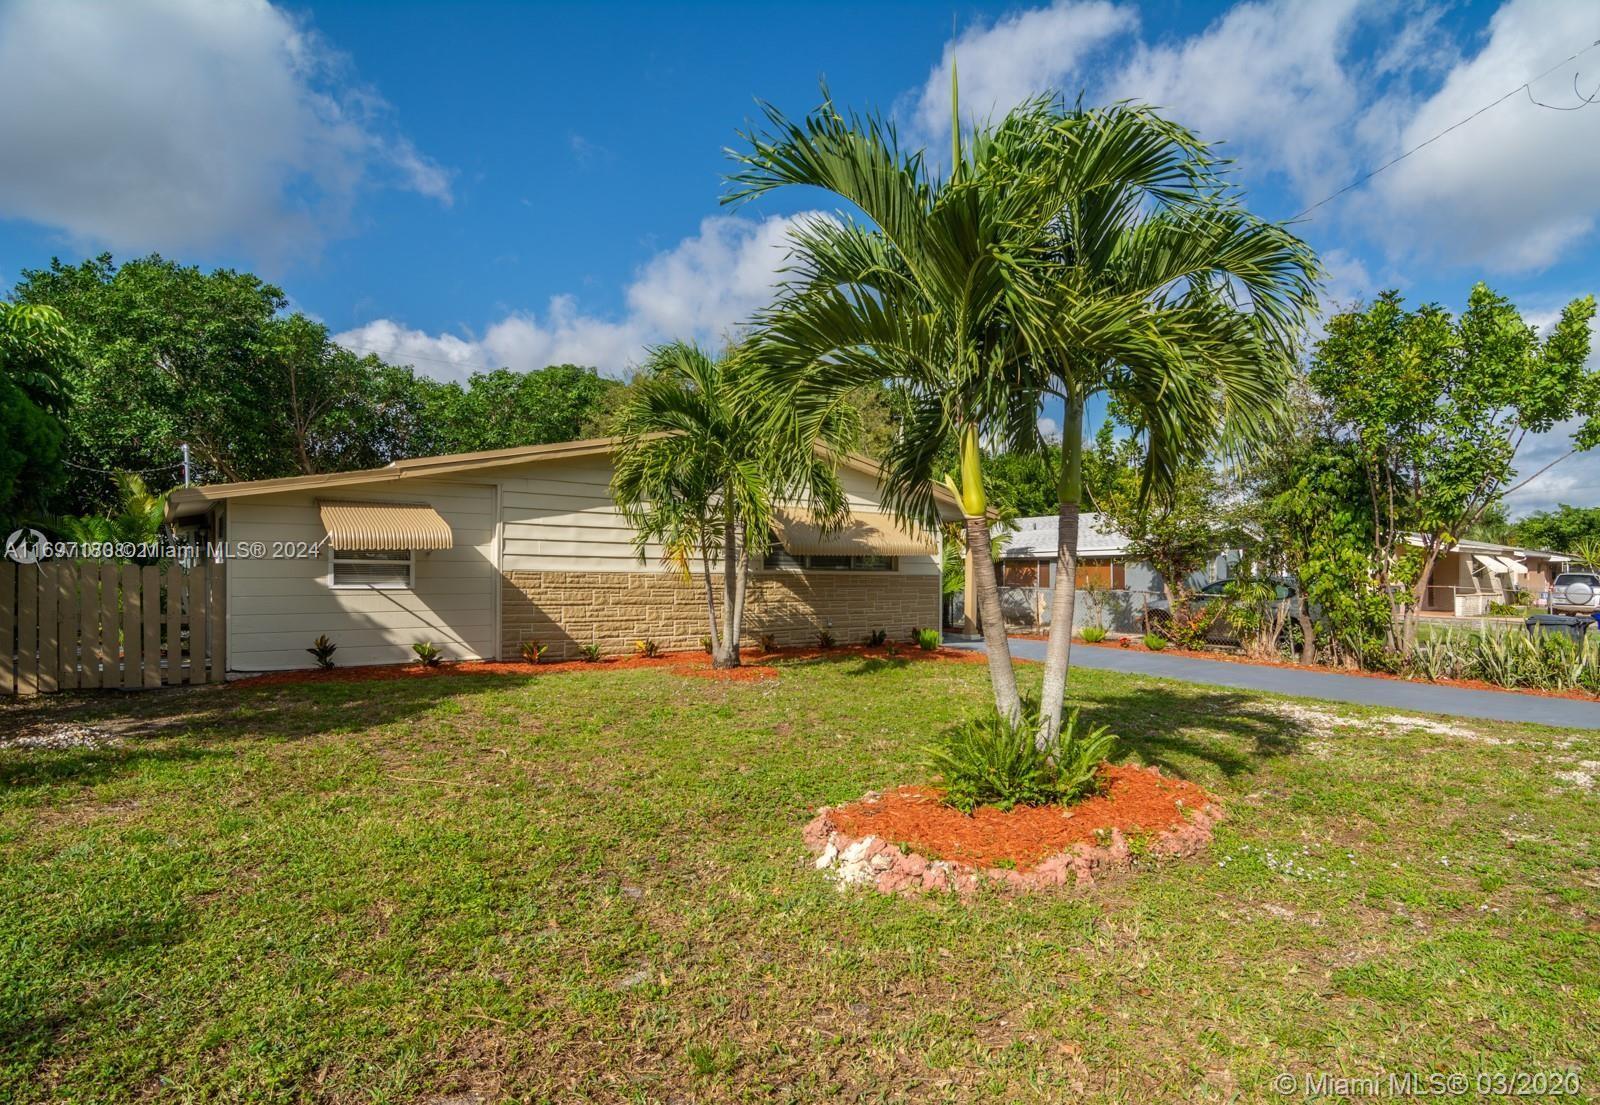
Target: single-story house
(479, 552)
(1473, 574)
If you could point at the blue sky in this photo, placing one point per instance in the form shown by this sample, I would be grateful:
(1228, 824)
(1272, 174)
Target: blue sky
(478, 184)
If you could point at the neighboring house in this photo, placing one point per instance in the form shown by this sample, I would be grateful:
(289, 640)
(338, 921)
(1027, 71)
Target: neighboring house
(1027, 572)
(478, 552)
(1473, 574)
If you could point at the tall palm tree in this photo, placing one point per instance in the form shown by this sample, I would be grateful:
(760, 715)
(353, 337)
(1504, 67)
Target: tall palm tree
(696, 475)
(1167, 296)
(924, 293)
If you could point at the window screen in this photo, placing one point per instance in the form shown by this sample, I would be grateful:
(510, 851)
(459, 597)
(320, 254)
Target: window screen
(371, 569)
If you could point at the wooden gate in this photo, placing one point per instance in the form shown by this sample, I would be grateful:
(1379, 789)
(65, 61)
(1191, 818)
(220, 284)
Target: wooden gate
(70, 625)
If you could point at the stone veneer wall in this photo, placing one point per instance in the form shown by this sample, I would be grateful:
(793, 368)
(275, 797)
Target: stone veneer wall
(567, 609)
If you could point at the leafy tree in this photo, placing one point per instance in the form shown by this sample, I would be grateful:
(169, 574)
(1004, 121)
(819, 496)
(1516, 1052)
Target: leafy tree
(1179, 533)
(1561, 529)
(1435, 409)
(37, 350)
(697, 474)
(136, 518)
(503, 409)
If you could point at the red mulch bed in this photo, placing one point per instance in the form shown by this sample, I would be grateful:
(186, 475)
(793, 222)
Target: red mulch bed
(1134, 644)
(754, 668)
(1132, 799)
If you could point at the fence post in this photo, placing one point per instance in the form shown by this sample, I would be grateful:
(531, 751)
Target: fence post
(48, 645)
(132, 628)
(195, 590)
(8, 628)
(219, 624)
(27, 629)
(109, 652)
(150, 586)
(67, 625)
(172, 574)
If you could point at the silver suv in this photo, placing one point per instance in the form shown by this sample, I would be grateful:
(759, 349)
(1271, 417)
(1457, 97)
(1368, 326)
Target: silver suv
(1575, 593)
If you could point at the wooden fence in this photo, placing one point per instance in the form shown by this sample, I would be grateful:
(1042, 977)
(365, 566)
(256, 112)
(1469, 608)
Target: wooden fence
(69, 625)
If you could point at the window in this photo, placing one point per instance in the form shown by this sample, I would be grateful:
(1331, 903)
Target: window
(388, 570)
(778, 559)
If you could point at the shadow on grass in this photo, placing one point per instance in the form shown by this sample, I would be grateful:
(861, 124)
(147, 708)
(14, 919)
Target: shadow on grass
(1232, 731)
(192, 725)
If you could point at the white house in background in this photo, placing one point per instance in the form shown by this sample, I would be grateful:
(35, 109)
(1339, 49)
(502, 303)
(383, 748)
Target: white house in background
(481, 552)
(1473, 574)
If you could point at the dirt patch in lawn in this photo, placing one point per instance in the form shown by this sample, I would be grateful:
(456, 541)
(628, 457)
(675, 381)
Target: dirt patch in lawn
(754, 668)
(908, 839)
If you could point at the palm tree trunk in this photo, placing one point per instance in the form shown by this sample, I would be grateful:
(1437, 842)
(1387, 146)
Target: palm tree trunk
(1063, 600)
(711, 602)
(1001, 674)
(725, 654)
(738, 604)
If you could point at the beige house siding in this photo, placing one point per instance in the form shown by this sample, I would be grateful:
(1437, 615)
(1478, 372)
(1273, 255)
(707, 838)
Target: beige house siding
(277, 606)
(614, 609)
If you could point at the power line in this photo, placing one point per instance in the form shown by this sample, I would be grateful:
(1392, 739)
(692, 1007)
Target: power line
(1527, 84)
(121, 471)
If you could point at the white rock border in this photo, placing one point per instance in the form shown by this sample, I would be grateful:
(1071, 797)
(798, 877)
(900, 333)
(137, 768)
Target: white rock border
(889, 869)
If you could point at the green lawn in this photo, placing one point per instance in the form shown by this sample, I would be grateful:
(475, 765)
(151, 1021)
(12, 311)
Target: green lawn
(592, 887)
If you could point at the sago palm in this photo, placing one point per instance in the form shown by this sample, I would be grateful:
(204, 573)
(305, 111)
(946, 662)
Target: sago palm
(696, 475)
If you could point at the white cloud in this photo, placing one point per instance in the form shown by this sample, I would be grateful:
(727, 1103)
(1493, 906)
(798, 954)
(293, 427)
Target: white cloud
(1575, 479)
(705, 288)
(1019, 56)
(1515, 188)
(187, 123)
(1049, 428)
(1269, 77)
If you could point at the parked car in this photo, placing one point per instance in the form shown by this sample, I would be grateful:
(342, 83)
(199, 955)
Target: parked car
(1222, 631)
(1575, 593)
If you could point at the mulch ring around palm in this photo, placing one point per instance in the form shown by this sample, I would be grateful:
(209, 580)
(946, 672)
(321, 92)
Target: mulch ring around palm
(754, 667)
(908, 840)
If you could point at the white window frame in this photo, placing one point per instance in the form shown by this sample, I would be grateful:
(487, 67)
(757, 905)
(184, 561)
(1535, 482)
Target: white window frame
(411, 571)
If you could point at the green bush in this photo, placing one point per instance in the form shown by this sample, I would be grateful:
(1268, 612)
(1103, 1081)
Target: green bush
(825, 639)
(590, 652)
(1154, 642)
(428, 654)
(1510, 658)
(705, 645)
(769, 642)
(929, 639)
(533, 651)
(993, 761)
(1093, 634)
(877, 638)
(322, 650)
(647, 648)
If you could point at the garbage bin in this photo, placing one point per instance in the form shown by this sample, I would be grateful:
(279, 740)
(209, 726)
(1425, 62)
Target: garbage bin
(1573, 625)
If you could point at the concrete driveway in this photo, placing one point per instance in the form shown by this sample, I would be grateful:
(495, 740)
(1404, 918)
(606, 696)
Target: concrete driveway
(1563, 713)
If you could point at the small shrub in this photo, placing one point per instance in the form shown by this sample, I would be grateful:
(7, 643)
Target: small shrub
(915, 635)
(1154, 642)
(322, 651)
(428, 654)
(705, 645)
(891, 649)
(1093, 634)
(647, 649)
(929, 640)
(590, 652)
(992, 760)
(877, 638)
(825, 639)
(769, 642)
(533, 652)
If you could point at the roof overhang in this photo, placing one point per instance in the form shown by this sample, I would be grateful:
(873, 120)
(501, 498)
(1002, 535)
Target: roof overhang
(188, 502)
(864, 533)
(383, 527)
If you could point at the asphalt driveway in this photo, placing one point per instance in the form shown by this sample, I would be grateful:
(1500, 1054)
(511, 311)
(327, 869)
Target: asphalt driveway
(1564, 713)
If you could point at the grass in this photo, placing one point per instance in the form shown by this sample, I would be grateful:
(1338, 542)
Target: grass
(590, 886)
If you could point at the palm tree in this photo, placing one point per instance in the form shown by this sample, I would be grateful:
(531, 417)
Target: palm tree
(925, 294)
(696, 475)
(1167, 297)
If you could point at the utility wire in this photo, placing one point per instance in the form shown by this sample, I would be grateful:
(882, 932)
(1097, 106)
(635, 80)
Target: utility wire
(120, 471)
(1525, 85)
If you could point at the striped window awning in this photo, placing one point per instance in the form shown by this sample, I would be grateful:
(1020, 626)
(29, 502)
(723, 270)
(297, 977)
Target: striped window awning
(379, 527)
(864, 533)
(1498, 564)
